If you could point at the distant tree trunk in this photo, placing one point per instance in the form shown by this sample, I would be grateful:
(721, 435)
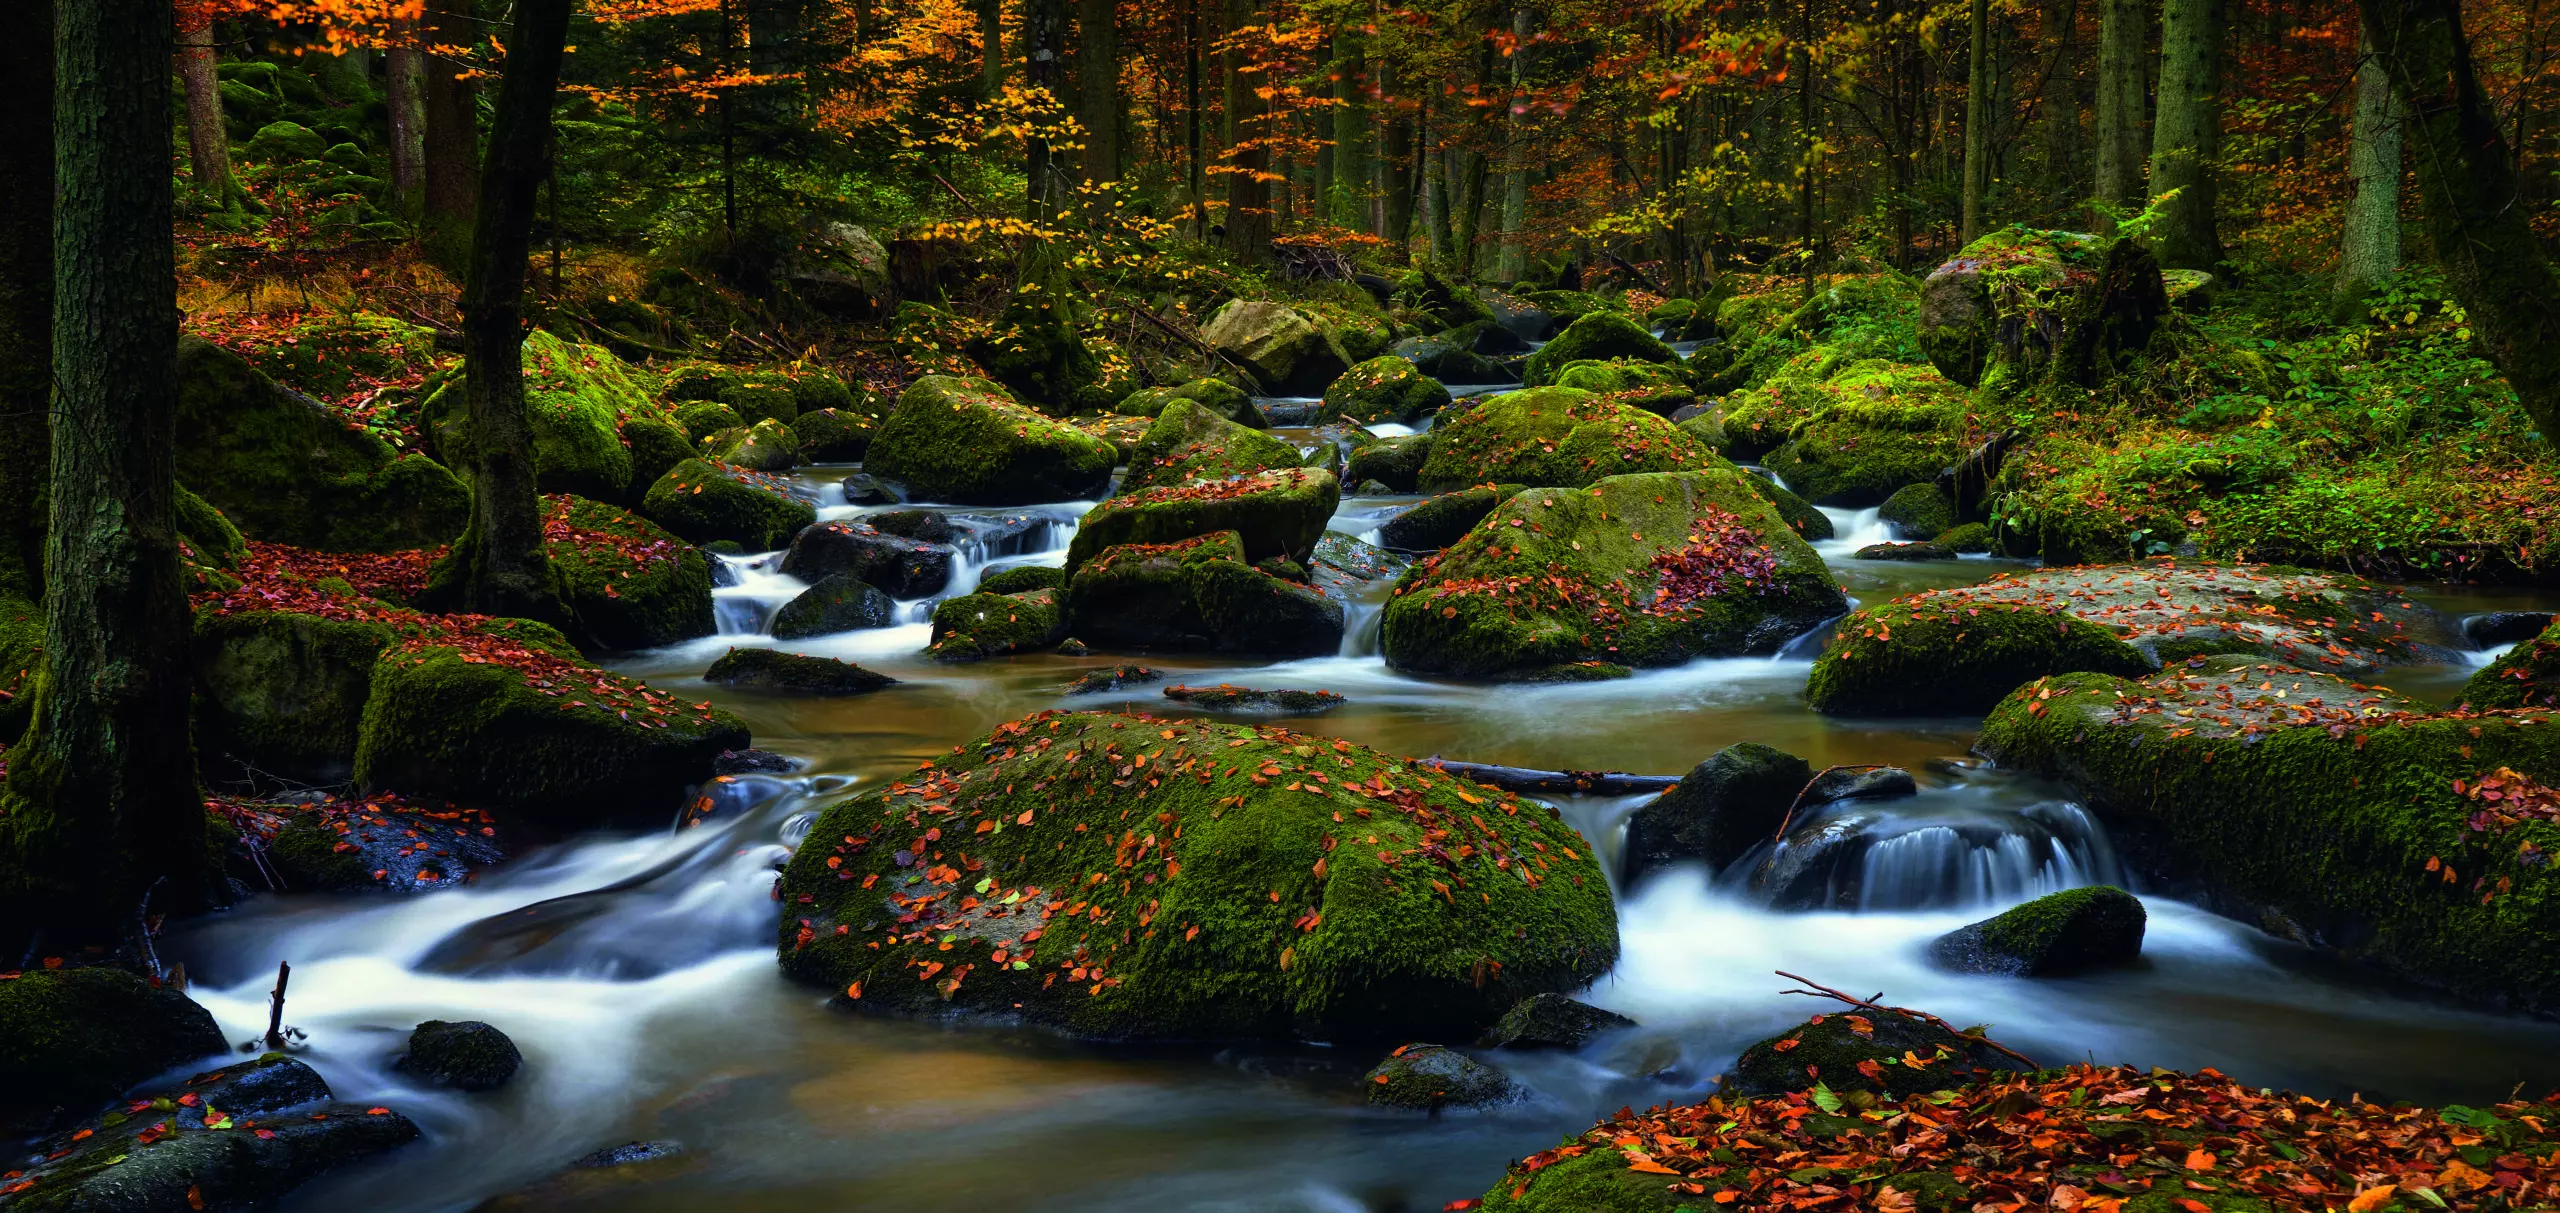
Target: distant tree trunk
(990, 47)
(1249, 150)
(2469, 189)
(405, 89)
(1044, 42)
(26, 306)
(1397, 171)
(1435, 201)
(2057, 101)
(2124, 27)
(2369, 251)
(100, 815)
(1320, 199)
(1350, 131)
(208, 143)
(2187, 134)
(1514, 260)
(1977, 120)
(1195, 129)
(453, 130)
(498, 567)
(1808, 147)
(1098, 79)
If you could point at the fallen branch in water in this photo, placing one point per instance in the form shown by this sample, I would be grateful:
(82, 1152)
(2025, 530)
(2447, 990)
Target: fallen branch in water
(1798, 802)
(1817, 989)
(1554, 783)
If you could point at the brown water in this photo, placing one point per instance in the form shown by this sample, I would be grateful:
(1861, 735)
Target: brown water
(636, 971)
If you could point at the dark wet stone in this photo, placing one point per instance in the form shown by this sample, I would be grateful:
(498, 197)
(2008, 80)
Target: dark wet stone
(2504, 627)
(630, 1152)
(72, 1038)
(1551, 1021)
(376, 843)
(839, 603)
(900, 566)
(750, 762)
(1877, 783)
(1118, 677)
(466, 1054)
(1437, 522)
(2073, 931)
(1289, 412)
(1722, 808)
(1432, 1077)
(1450, 362)
(1905, 551)
(1072, 647)
(997, 536)
(775, 672)
(862, 488)
(1223, 697)
(923, 526)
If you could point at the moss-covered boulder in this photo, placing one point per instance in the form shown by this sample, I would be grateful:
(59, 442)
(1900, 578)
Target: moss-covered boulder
(1596, 337)
(632, 584)
(72, 1039)
(1036, 351)
(1919, 511)
(1431, 525)
(1022, 579)
(2056, 935)
(578, 398)
(965, 441)
(1427, 1078)
(1385, 388)
(1438, 303)
(834, 435)
(467, 1055)
(284, 468)
(519, 723)
(838, 602)
(1656, 388)
(766, 446)
(1808, 523)
(1286, 354)
(1449, 362)
(2320, 810)
(1869, 431)
(1189, 442)
(1829, 1050)
(1958, 651)
(1278, 513)
(1551, 1021)
(1216, 395)
(2527, 675)
(1556, 437)
(974, 627)
(2020, 304)
(1197, 594)
(1641, 570)
(1722, 808)
(701, 419)
(707, 502)
(284, 692)
(774, 672)
(1230, 904)
(1393, 462)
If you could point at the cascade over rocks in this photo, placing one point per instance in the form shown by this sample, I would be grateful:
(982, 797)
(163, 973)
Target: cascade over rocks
(965, 441)
(1376, 932)
(2526, 676)
(1190, 442)
(1555, 436)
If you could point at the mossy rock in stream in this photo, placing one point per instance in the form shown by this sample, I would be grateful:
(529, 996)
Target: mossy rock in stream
(284, 692)
(1722, 808)
(1427, 1078)
(1556, 437)
(2339, 815)
(632, 584)
(1809, 524)
(774, 672)
(707, 502)
(2527, 675)
(1656, 388)
(835, 435)
(703, 418)
(1872, 430)
(974, 627)
(1285, 352)
(1280, 512)
(967, 442)
(766, 446)
(579, 399)
(283, 468)
(1022, 579)
(1827, 1049)
(1642, 570)
(1190, 442)
(1216, 395)
(2020, 304)
(1214, 904)
(2056, 935)
(72, 1039)
(1394, 462)
(1384, 388)
(1596, 337)
(1919, 511)
(1199, 594)
(1443, 519)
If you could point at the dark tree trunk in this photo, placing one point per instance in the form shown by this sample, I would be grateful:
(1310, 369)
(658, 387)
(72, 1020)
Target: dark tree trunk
(1396, 171)
(26, 309)
(101, 814)
(498, 568)
(2468, 188)
(452, 141)
(208, 143)
(2369, 237)
(1977, 120)
(1044, 41)
(2187, 134)
(1347, 204)
(404, 86)
(1249, 151)
(990, 47)
(1098, 86)
(2057, 98)
(1195, 120)
(2123, 27)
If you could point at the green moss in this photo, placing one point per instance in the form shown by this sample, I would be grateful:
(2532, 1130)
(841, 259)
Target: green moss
(1919, 511)
(1393, 462)
(1216, 395)
(766, 446)
(577, 398)
(284, 693)
(1558, 437)
(1427, 1078)
(1198, 594)
(656, 447)
(2056, 935)
(1850, 319)
(774, 672)
(1924, 657)
(703, 418)
(973, 627)
(1189, 442)
(835, 435)
(1385, 388)
(703, 502)
(1022, 579)
(1191, 903)
(2527, 675)
(76, 1038)
(1808, 523)
(632, 584)
(966, 441)
(2021, 305)
(1872, 429)
(1596, 336)
(1970, 537)
(1640, 570)
(1282, 513)
(1439, 303)
(1036, 351)
(211, 541)
(1827, 1049)
(1656, 388)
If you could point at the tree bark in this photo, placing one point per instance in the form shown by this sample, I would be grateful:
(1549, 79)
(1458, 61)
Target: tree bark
(2369, 249)
(991, 55)
(1396, 173)
(1195, 121)
(1514, 260)
(1350, 132)
(452, 141)
(498, 567)
(2123, 27)
(1248, 148)
(2057, 100)
(1044, 42)
(2469, 188)
(404, 86)
(1977, 120)
(1098, 80)
(100, 815)
(2187, 134)
(208, 142)
(26, 307)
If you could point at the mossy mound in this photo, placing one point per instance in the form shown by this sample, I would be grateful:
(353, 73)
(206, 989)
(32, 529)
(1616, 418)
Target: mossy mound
(1723, 807)
(467, 1055)
(579, 399)
(1036, 351)
(1190, 442)
(1286, 353)
(283, 468)
(703, 418)
(1278, 513)
(284, 692)
(1385, 388)
(1393, 462)
(707, 502)
(834, 435)
(974, 627)
(632, 584)
(1921, 657)
(1656, 388)
(1227, 697)
(1120, 877)
(1556, 437)
(1875, 427)
(1969, 538)
(1427, 1078)
(1216, 395)
(1919, 511)
(1444, 519)
(766, 446)
(2527, 675)
(1827, 1050)
(774, 672)
(838, 602)
(72, 1039)
(2020, 305)
(1199, 594)
(1596, 337)
(1640, 570)
(2331, 813)
(966, 441)
(2058, 934)
(1848, 319)
(1438, 303)
(1022, 579)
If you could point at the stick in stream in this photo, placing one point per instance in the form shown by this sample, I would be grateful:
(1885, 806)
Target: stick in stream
(1798, 802)
(1816, 989)
(1536, 782)
(275, 1008)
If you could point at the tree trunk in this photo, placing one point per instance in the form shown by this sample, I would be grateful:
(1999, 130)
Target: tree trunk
(498, 567)
(1044, 41)
(1396, 173)
(990, 47)
(1977, 120)
(208, 142)
(2057, 101)
(2468, 187)
(1098, 86)
(2186, 134)
(452, 141)
(1350, 132)
(1195, 133)
(2123, 28)
(101, 817)
(2369, 250)
(404, 86)
(1514, 259)
(1249, 149)
(1435, 202)
(1808, 146)
(26, 309)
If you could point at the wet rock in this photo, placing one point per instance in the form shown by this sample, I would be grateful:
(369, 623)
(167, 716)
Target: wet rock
(1395, 464)
(1188, 442)
(1551, 1021)
(1451, 364)
(901, 567)
(71, 1039)
(862, 488)
(1861, 1051)
(1722, 808)
(631, 584)
(1487, 338)
(284, 692)
(751, 762)
(1431, 1077)
(839, 602)
(703, 502)
(974, 627)
(834, 435)
(1343, 566)
(1597, 337)
(1225, 697)
(1072, 647)
(2488, 631)
(1905, 551)
(1513, 312)
(464, 1054)
(1281, 512)
(376, 842)
(1851, 783)
(923, 526)
(1431, 525)
(628, 1153)
(766, 446)
(1290, 412)
(2527, 675)
(1022, 579)
(1373, 488)
(1117, 678)
(1555, 437)
(1287, 355)
(1219, 397)
(1859, 436)
(1918, 511)
(774, 672)
(1198, 594)
(1385, 388)
(2056, 935)
(967, 441)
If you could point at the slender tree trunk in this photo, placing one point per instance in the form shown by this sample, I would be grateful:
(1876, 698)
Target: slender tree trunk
(1098, 86)
(498, 567)
(1397, 171)
(1249, 149)
(100, 816)
(1320, 198)
(1514, 261)
(991, 55)
(26, 311)
(1044, 40)
(1350, 131)
(405, 89)
(1435, 203)
(2186, 134)
(1809, 141)
(2369, 251)
(1195, 134)
(1977, 120)
(208, 143)
(2057, 101)
(452, 141)
(2123, 28)
(2469, 187)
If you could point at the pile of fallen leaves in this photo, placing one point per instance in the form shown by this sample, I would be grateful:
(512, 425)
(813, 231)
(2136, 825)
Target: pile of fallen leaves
(1721, 555)
(413, 844)
(390, 576)
(2085, 1139)
(2508, 799)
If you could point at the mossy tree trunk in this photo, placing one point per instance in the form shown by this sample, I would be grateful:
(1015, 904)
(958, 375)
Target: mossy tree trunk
(2369, 248)
(497, 567)
(1514, 259)
(990, 47)
(2468, 186)
(1348, 202)
(1044, 44)
(1395, 212)
(101, 813)
(1249, 146)
(26, 303)
(1977, 119)
(404, 88)
(2123, 27)
(452, 140)
(208, 143)
(2187, 134)
(1098, 86)
(2057, 100)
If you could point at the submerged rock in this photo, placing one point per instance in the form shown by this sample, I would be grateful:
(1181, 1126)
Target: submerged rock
(1281, 512)
(1551, 1021)
(1202, 860)
(71, 1039)
(467, 1055)
(751, 762)
(1905, 551)
(1860, 783)
(1225, 697)
(1117, 678)
(966, 441)
(1865, 1051)
(774, 672)
(1198, 594)
(705, 502)
(839, 602)
(1431, 1077)
(1555, 437)
(1188, 442)
(1722, 808)
(2055, 935)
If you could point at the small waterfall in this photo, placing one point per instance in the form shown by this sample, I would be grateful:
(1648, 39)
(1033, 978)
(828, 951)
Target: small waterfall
(1851, 530)
(747, 590)
(1360, 622)
(2476, 658)
(2044, 849)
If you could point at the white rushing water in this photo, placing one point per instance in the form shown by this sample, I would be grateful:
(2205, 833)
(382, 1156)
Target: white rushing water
(1851, 530)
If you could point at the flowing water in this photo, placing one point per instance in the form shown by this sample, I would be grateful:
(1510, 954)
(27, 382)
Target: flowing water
(636, 970)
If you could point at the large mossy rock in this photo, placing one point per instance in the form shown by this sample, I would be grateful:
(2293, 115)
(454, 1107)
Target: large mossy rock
(1232, 904)
(1919, 511)
(1958, 651)
(1556, 437)
(1197, 594)
(1036, 351)
(580, 400)
(632, 584)
(973, 627)
(1216, 395)
(284, 692)
(2320, 810)
(1285, 352)
(72, 1039)
(1864, 433)
(1726, 805)
(1278, 513)
(1642, 570)
(2527, 675)
(1443, 519)
(1191, 442)
(965, 441)
(283, 468)
(834, 435)
(1597, 337)
(519, 723)
(1656, 388)
(2020, 305)
(708, 502)
(2056, 935)
(766, 446)
(1393, 462)
(1828, 1049)
(1385, 388)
